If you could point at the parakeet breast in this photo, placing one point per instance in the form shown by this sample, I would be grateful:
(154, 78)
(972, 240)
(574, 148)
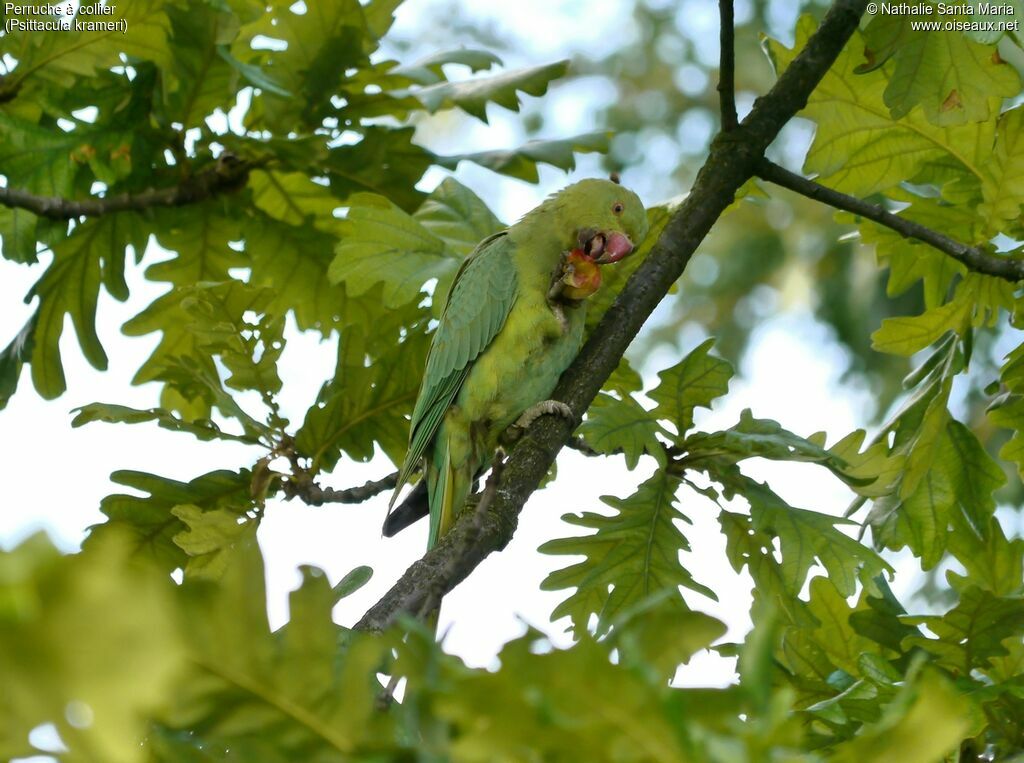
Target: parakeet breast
(522, 364)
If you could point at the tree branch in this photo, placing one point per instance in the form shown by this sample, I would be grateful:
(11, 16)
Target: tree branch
(972, 257)
(733, 160)
(432, 600)
(229, 174)
(727, 65)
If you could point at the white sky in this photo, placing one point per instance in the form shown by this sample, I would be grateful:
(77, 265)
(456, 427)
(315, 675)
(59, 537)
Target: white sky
(56, 476)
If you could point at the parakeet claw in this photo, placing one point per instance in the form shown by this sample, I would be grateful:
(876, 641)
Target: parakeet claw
(553, 407)
(555, 293)
(543, 408)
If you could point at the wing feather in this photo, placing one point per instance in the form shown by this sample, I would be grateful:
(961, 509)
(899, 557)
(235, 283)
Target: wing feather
(478, 304)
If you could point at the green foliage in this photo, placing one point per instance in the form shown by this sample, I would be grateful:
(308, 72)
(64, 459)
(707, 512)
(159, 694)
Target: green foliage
(204, 651)
(635, 552)
(924, 722)
(692, 383)
(632, 554)
(1007, 409)
(92, 255)
(61, 617)
(153, 644)
(971, 633)
(297, 175)
(381, 244)
(805, 538)
(473, 96)
(961, 74)
(151, 524)
(284, 694)
(113, 414)
(615, 425)
(13, 358)
(364, 404)
(522, 162)
(219, 680)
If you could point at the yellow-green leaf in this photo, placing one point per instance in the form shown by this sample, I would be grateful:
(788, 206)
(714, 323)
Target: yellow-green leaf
(614, 425)
(905, 336)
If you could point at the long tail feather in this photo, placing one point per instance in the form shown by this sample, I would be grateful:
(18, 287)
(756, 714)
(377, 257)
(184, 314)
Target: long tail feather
(441, 485)
(414, 507)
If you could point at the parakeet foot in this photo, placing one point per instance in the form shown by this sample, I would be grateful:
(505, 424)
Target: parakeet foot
(543, 408)
(515, 431)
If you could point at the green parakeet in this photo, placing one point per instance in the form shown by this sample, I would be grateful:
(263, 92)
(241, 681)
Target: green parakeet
(512, 324)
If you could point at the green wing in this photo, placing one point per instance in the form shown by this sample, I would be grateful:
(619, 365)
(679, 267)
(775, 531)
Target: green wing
(478, 304)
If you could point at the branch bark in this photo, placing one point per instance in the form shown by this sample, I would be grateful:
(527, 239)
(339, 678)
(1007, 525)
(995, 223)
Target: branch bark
(733, 160)
(315, 495)
(228, 174)
(727, 65)
(972, 257)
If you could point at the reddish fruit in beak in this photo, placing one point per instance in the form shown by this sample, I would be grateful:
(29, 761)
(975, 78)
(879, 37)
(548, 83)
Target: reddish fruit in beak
(616, 247)
(582, 276)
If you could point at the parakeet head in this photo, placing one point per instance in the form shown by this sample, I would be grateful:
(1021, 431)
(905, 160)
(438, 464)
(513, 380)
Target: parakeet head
(606, 220)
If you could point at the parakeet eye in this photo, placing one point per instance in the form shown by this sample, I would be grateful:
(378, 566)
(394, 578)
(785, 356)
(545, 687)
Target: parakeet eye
(617, 208)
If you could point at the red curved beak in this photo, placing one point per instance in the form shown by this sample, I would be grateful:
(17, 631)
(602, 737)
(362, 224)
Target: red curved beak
(616, 248)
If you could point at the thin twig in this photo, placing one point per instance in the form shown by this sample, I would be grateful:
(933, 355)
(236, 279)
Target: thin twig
(731, 163)
(727, 65)
(311, 493)
(488, 493)
(228, 174)
(580, 445)
(8, 88)
(673, 452)
(972, 257)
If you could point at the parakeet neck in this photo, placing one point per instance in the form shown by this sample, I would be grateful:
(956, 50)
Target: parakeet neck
(539, 247)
